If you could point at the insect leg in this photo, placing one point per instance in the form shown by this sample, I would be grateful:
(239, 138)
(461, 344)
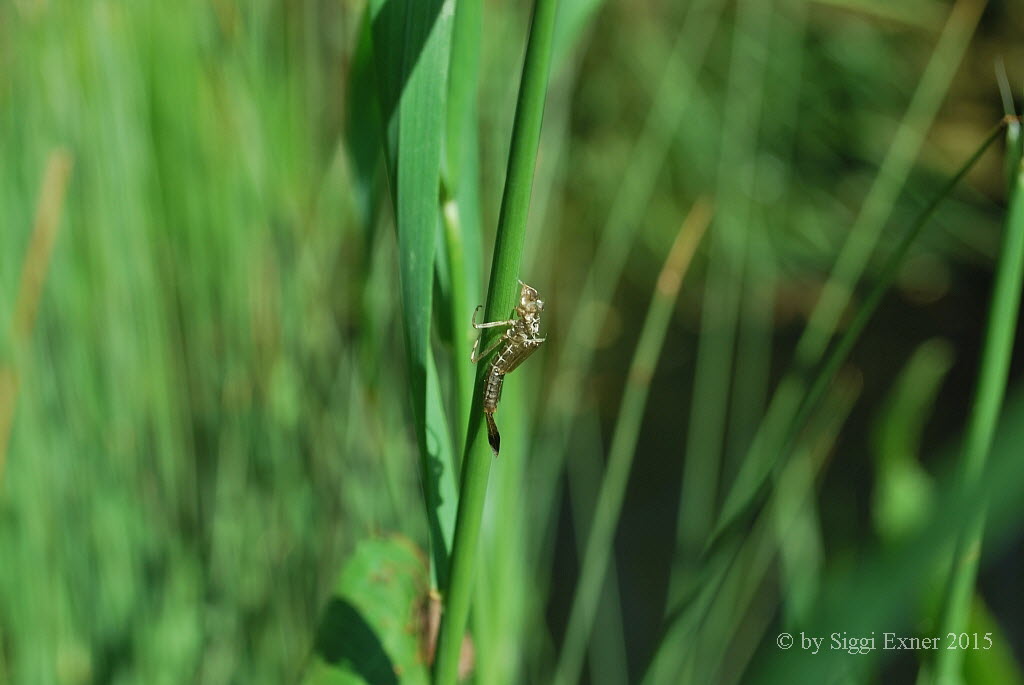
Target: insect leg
(474, 357)
(491, 324)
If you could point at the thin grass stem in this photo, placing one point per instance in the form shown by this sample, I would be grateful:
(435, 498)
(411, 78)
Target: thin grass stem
(597, 555)
(723, 288)
(988, 401)
(677, 94)
(793, 398)
(30, 289)
(508, 250)
(838, 354)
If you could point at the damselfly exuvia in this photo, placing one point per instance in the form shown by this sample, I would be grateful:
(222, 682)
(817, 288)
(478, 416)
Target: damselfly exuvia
(517, 343)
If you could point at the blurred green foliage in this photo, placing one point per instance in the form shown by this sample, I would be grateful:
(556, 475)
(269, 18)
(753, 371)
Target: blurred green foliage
(209, 400)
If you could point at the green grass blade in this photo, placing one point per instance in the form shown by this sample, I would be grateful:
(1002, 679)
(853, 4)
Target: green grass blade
(364, 141)
(1014, 148)
(794, 399)
(854, 255)
(464, 77)
(997, 665)
(713, 379)
(677, 95)
(411, 48)
(459, 220)
(597, 555)
(440, 455)
(988, 402)
(892, 174)
(671, 657)
(791, 534)
(882, 592)
(500, 300)
(460, 307)
(922, 14)
(886, 276)
(573, 17)
(501, 593)
(700, 630)
(787, 42)
(606, 648)
(33, 275)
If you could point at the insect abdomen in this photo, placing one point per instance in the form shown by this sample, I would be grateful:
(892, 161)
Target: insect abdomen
(492, 390)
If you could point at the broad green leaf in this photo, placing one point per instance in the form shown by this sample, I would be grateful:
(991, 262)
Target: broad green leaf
(411, 42)
(370, 630)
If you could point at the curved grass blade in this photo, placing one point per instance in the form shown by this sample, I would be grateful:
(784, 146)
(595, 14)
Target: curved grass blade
(854, 255)
(883, 591)
(836, 356)
(795, 399)
(702, 629)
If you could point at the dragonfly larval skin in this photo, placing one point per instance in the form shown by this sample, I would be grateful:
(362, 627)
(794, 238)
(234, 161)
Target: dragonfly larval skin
(518, 342)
